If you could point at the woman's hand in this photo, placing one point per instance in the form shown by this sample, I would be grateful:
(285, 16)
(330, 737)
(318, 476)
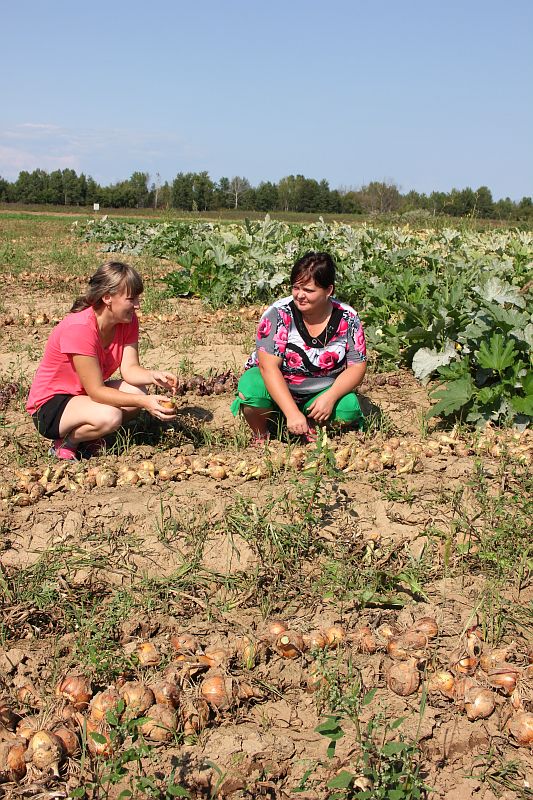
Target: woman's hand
(321, 408)
(297, 423)
(165, 380)
(158, 411)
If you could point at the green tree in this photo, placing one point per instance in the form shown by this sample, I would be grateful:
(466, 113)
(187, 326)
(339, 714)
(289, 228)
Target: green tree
(266, 197)
(182, 194)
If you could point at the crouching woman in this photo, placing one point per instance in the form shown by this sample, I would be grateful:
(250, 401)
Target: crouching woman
(72, 399)
(310, 357)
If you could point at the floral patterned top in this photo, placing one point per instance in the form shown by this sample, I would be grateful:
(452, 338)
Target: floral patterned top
(309, 364)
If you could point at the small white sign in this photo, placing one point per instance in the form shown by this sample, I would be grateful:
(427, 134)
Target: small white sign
(96, 206)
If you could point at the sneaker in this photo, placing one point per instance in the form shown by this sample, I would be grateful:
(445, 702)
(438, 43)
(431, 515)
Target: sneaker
(64, 450)
(97, 447)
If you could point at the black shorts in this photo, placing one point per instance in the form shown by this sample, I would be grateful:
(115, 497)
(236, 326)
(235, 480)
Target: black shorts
(47, 418)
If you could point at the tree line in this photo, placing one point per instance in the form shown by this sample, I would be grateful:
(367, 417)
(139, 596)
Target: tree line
(196, 192)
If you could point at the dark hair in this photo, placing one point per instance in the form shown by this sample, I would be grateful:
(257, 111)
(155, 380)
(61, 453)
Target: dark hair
(318, 267)
(109, 279)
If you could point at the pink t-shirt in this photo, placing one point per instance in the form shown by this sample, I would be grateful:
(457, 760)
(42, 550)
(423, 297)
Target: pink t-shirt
(77, 334)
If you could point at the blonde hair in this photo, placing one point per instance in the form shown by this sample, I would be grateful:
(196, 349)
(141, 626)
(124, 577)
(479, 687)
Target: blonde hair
(109, 279)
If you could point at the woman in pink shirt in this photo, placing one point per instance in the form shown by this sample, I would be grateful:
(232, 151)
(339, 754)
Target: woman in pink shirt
(72, 399)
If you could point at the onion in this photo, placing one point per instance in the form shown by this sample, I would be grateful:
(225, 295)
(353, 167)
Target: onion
(77, 690)
(102, 703)
(407, 645)
(161, 723)
(217, 471)
(521, 728)
(315, 679)
(364, 640)
(128, 478)
(387, 631)
(404, 677)
(335, 634)
(493, 658)
(217, 690)
(106, 478)
(442, 681)
(274, 629)
(104, 748)
(28, 726)
(290, 644)
(216, 656)
(138, 698)
(147, 654)
(504, 678)
(12, 761)
(46, 751)
(69, 739)
(166, 693)
(249, 651)
(479, 703)
(427, 626)
(463, 665)
(28, 696)
(315, 640)
(185, 642)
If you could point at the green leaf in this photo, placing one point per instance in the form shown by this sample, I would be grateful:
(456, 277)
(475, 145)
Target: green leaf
(452, 396)
(341, 781)
(369, 696)
(498, 354)
(393, 748)
(396, 723)
(98, 738)
(177, 791)
(524, 405)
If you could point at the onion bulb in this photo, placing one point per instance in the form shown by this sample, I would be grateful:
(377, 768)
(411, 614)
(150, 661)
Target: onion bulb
(404, 677)
(335, 635)
(138, 698)
(504, 678)
(479, 703)
(103, 702)
(290, 644)
(69, 738)
(521, 728)
(274, 629)
(463, 665)
(12, 761)
(407, 645)
(106, 478)
(217, 690)
(161, 723)
(427, 626)
(166, 693)
(148, 654)
(46, 751)
(76, 689)
(102, 729)
(364, 640)
(315, 640)
(216, 656)
(185, 642)
(442, 682)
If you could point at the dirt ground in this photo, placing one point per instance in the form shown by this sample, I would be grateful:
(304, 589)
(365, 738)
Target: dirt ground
(137, 536)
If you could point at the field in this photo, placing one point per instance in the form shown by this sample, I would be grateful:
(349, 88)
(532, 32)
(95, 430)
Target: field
(398, 559)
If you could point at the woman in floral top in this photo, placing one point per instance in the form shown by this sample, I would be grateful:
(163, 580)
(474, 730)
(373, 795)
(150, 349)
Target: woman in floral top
(310, 356)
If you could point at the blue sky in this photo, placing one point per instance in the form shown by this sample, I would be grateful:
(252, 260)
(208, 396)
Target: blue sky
(430, 95)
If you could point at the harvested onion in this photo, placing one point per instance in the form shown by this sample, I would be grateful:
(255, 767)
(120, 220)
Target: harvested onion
(364, 640)
(138, 698)
(217, 690)
(76, 689)
(404, 677)
(335, 635)
(166, 693)
(521, 728)
(504, 678)
(103, 702)
(46, 751)
(161, 723)
(148, 654)
(290, 644)
(442, 682)
(479, 703)
(12, 761)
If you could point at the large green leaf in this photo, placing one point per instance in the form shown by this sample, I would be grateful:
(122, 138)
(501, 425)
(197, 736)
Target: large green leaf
(452, 397)
(498, 354)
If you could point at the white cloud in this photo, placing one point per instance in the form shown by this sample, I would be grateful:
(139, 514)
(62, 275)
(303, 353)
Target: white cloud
(98, 152)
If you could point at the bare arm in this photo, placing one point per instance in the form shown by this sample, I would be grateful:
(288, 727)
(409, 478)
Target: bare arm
(322, 408)
(276, 385)
(133, 373)
(90, 375)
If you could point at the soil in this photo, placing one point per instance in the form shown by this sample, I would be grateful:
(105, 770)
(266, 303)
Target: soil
(136, 537)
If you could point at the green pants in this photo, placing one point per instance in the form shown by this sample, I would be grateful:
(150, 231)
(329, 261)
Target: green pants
(254, 393)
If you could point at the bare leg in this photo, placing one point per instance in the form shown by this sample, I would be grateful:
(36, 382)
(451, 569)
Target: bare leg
(83, 420)
(257, 419)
